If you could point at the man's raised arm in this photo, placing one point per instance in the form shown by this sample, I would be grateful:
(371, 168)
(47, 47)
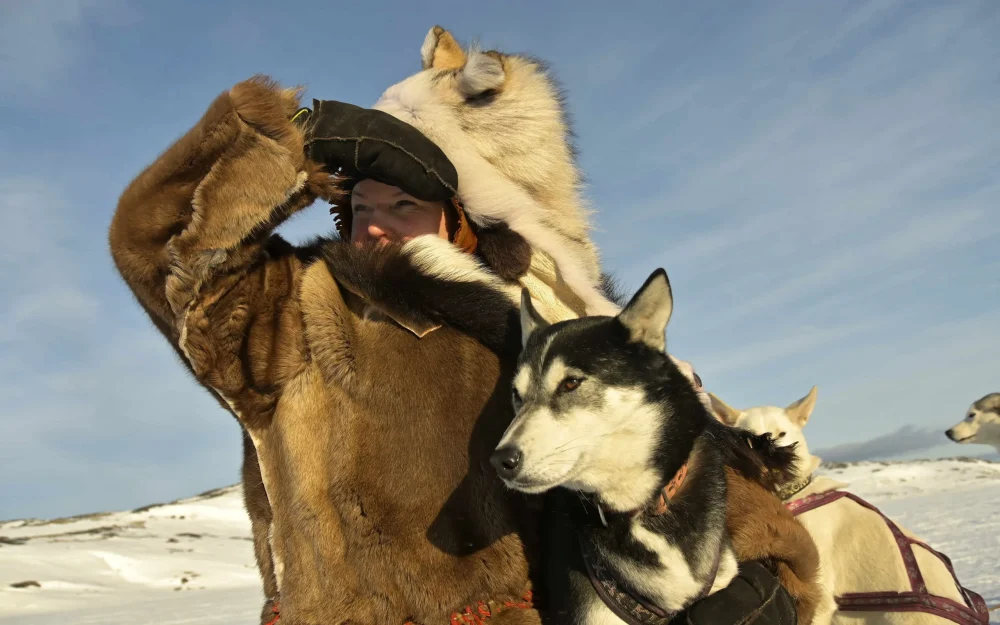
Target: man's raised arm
(211, 199)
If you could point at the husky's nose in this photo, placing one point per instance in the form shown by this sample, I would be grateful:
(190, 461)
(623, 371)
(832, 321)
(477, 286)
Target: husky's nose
(950, 434)
(507, 461)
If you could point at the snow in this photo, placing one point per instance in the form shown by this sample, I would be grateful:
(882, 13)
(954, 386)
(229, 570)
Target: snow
(191, 561)
(186, 562)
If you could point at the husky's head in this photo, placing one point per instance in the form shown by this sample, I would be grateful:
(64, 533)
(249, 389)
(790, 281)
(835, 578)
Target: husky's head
(783, 424)
(598, 402)
(499, 118)
(981, 424)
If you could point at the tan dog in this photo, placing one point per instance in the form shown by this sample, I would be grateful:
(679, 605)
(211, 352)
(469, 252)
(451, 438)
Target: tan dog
(863, 564)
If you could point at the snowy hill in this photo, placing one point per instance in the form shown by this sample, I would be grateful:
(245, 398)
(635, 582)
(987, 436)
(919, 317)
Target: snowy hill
(191, 561)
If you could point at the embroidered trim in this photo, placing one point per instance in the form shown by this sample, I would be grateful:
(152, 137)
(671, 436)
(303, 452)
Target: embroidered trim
(478, 615)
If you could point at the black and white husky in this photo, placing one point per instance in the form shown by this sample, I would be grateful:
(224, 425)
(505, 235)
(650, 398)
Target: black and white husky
(635, 463)
(607, 424)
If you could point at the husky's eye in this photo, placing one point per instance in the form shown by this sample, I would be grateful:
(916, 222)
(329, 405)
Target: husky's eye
(781, 435)
(971, 416)
(569, 384)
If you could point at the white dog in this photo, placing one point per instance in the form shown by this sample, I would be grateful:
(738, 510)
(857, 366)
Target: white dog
(981, 426)
(876, 571)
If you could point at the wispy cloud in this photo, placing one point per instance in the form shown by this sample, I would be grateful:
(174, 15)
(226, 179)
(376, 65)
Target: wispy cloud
(818, 185)
(42, 41)
(40, 284)
(792, 341)
(841, 132)
(77, 382)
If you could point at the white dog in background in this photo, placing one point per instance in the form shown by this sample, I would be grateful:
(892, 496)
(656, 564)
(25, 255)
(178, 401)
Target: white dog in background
(981, 425)
(877, 571)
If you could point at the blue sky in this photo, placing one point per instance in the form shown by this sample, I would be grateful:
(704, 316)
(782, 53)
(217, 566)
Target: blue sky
(819, 180)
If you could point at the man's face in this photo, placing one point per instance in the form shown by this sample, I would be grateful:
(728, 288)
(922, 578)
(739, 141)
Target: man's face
(384, 213)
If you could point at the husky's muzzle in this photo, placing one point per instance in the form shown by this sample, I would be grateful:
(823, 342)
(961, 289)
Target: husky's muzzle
(507, 462)
(951, 434)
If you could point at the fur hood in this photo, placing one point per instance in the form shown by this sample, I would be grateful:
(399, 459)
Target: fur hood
(499, 119)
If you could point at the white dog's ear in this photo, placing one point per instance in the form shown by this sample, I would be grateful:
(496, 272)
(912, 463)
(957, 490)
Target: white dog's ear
(726, 413)
(483, 72)
(441, 51)
(800, 410)
(531, 321)
(646, 316)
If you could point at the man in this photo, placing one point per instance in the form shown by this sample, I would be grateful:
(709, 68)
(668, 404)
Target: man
(375, 502)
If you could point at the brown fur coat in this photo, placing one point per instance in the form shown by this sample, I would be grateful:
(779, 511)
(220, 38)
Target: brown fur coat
(366, 479)
(378, 505)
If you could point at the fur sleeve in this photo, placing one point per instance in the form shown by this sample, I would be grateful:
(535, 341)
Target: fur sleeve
(192, 238)
(210, 200)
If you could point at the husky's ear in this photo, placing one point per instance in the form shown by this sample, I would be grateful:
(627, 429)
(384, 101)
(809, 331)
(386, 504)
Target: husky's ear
(647, 315)
(726, 413)
(800, 410)
(441, 51)
(531, 321)
(483, 73)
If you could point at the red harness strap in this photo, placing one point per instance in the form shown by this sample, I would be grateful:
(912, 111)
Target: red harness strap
(482, 612)
(917, 599)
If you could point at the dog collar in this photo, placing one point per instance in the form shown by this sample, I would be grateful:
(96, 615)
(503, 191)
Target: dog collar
(794, 488)
(669, 491)
(660, 504)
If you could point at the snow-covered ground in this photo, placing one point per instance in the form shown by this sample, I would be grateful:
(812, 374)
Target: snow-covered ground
(191, 562)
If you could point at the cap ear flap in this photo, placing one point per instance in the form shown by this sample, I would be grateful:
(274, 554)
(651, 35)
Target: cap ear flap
(441, 51)
(531, 321)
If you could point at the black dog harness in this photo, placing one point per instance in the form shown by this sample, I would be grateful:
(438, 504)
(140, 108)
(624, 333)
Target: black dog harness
(628, 606)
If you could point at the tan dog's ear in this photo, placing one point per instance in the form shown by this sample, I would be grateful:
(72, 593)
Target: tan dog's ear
(726, 413)
(800, 410)
(441, 51)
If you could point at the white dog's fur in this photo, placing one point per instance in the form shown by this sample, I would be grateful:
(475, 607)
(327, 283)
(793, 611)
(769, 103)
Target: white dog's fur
(783, 424)
(857, 550)
(499, 119)
(514, 161)
(981, 425)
